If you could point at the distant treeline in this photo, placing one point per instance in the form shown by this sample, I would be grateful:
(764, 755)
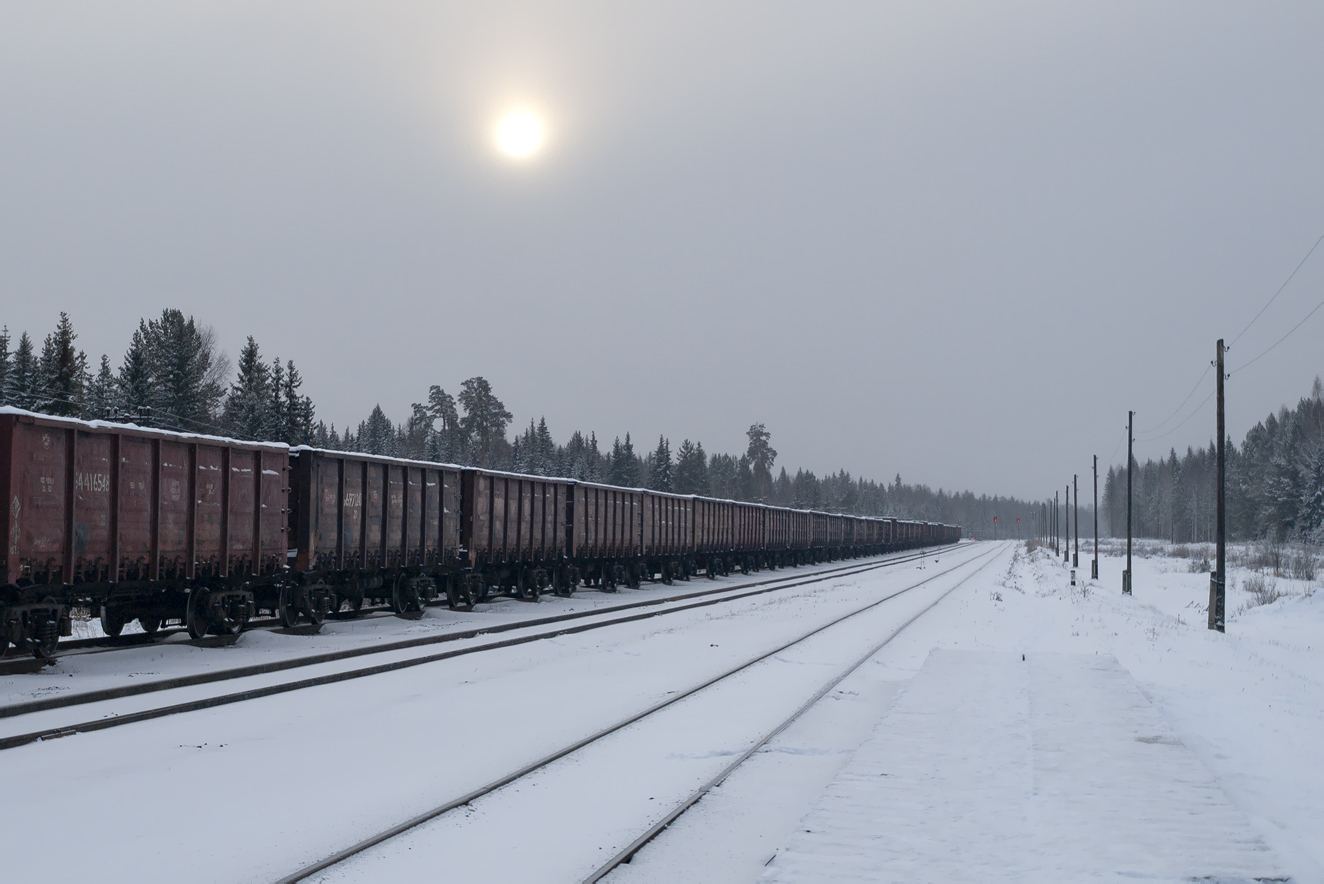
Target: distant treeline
(174, 376)
(1275, 484)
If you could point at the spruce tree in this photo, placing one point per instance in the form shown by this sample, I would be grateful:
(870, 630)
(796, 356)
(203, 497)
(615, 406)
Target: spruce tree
(101, 395)
(22, 383)
(184, 365)
(376, 435)
(4, 364)
(134, 383)
(61, 371)
(659, 478)
(247, 405)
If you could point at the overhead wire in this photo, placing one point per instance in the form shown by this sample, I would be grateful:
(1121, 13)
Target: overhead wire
(1179, 407)
(1277, 293)
(1279, 341)
(1202, 404)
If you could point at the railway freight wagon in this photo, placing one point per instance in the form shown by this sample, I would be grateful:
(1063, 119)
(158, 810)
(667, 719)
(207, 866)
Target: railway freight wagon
(514, 532)
(606, 539)
(370, 527)
(668, 535)
(714, 535)
(134, 523)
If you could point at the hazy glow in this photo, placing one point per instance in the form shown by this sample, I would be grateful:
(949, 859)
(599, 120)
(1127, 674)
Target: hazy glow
(520, 135)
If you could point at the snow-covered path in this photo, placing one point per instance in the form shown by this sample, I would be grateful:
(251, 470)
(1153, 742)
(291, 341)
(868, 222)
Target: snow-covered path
(994, 766)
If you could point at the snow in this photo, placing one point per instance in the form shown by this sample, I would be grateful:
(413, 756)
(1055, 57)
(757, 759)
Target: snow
(995, 766)
(285, 780)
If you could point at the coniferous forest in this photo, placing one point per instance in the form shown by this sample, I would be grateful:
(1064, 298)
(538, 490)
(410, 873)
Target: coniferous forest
(1275, 484)
(174, 375)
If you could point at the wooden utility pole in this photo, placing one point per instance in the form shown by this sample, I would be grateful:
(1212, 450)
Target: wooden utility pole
(1066, 514)
(1075, 489)
(1218, 584)
(1130, 438)
(1056, 515)
(1094, 570)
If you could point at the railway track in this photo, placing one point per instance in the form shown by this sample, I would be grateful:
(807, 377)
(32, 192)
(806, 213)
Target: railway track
(666, 820)
(562, 624)
(78, 648)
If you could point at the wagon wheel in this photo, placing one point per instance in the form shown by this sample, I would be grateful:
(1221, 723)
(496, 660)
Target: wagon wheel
(48, 636)
(112, 620)
(666, 574)
(561, 582)
(453, 599)
(149, 624)
(195, 614)
(529, 582)
(632, 575)
(405, 600)
(288, 607)
(316, 614)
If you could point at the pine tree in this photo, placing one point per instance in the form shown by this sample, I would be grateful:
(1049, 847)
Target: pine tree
(760, 457)
(184, 368)
(376, 435)
(624, 469)
(299, 410)
(22, 383)
(485, 417)
(4, 364)
(659, 478)
(101, 395)
(61, 370)
(247, 406)
(277, 420)
(134, 383)
(691, 468)
(1311, 507)
(546, 450)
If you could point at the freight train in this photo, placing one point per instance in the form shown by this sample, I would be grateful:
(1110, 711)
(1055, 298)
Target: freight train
(161, 527)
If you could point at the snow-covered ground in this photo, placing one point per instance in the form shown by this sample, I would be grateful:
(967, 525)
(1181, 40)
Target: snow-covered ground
(254, 790)
(1249, 704)
(175, 655)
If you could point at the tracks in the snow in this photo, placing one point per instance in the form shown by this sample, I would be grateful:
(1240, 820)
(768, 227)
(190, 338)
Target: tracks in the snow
(594, 619)
(625, 855)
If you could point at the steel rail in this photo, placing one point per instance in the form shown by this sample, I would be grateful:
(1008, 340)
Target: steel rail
(626, 855)
(27, 707)
(469, 797)
(106, 723)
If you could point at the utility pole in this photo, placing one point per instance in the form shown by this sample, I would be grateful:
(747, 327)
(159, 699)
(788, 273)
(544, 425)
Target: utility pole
(1066, 514)
(1217, 585)
(1056, 515)
(1094, 570)
(1075, 489)
(1130, 438)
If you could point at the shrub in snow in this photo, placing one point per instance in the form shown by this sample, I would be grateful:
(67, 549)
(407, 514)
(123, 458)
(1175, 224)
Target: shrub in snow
(1263, 590)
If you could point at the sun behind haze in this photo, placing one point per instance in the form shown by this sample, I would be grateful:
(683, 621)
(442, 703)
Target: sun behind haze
(520, 134)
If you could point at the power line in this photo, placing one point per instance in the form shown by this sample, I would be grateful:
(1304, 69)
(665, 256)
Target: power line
(1179, 407)
(1276, 294)
(1179, 426)
(1279, 341)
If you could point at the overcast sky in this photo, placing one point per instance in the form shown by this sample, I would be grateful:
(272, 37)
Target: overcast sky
(955, 241)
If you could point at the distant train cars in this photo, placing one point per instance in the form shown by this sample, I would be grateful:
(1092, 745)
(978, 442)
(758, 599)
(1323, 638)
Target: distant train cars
(156, 526)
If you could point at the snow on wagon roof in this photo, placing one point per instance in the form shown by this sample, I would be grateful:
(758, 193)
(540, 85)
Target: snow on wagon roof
(138, 429)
